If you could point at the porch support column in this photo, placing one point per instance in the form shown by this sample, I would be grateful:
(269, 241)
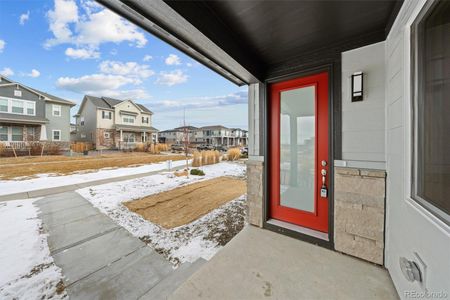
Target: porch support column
(255, 163)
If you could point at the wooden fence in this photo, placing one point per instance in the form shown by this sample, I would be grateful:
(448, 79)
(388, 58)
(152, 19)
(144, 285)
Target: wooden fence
(81, 147)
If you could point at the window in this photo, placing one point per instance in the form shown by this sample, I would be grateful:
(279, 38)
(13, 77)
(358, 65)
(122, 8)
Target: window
(81, 121)
(3, 133)
(106, 115)
(83, 135)
(17, 134)
(30, 133)
(431, 58)
(17, 107)
(128, 119)
(30, 106)
(21, 107)
(128, 137)
(17, 93)
(145, 120)
(106, 135)
(3, 105)
(56, 135)
(56, 109)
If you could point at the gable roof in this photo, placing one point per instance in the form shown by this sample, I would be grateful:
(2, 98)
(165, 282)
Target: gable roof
(109, 103)
(46, 96)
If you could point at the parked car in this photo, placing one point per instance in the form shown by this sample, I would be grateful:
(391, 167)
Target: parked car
(221, 148)
(177, 147)
(205, 147)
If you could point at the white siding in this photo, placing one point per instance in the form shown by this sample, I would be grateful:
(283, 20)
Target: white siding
(410, 229)
(363, 124)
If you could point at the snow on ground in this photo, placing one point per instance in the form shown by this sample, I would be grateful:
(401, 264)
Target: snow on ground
(48, 181)
(201, 238)
(27, 270)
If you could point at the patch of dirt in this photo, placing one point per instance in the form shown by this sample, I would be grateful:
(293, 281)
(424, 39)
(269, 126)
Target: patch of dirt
(185, 204)
(63, 165)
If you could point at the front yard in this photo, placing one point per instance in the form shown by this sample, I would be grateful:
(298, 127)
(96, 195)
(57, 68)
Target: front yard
(192, 238)
(30, 166)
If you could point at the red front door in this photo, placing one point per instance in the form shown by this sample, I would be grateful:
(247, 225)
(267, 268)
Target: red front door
(298, 155)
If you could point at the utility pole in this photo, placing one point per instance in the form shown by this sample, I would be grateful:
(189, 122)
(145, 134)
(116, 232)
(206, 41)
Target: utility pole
(186, 142)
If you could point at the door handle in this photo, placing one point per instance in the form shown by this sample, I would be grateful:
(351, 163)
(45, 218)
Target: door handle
(324, 174)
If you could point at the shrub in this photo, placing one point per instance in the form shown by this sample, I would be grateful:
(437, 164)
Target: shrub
(53, 149)
(197, 172)
(197, 159)
(140, 147)
(35, 149)
(233, 154)
(2, 148)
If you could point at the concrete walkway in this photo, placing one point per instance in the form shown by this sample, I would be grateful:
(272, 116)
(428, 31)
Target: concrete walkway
(100, 259)
(73, 187)
(261, 264)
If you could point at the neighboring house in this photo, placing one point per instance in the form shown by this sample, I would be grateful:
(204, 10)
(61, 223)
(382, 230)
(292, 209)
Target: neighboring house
(348, 132)
(29, 115)
(73, 132)
(114, 124)
(214, 135)
(176, 135)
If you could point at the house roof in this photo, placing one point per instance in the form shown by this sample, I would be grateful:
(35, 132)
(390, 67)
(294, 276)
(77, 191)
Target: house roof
(188, 127)
(214, 127)
(46, 96)
(109, 103)
(22, 119)
(136, 128)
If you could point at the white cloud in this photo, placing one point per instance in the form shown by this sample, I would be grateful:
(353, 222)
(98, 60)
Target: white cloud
(129, 69)
(147, 58)
(91, 28)
(135, 94)
(173, 59)
(82, 53)
(7, 72)
(171, 78)
(2, 45)
(34, 73)
(64, 13)
(24, 17)
(94, 83)
(201, 102)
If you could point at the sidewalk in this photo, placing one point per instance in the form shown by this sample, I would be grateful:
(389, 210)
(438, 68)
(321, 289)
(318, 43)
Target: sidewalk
(100, 259)
(73, 187)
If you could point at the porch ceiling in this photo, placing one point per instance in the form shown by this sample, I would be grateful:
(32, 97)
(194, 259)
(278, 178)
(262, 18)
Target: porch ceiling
(250, 38)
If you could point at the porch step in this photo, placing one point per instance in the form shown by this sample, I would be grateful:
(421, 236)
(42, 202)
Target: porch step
(168, 285)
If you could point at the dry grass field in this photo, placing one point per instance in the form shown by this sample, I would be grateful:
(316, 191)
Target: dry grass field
(31, 165)
(188, 203)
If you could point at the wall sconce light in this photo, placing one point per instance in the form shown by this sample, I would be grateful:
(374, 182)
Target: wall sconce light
(357, 86)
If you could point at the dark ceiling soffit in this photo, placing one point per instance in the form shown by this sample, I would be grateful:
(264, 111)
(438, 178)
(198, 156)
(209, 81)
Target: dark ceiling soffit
(393, 16)
(162, 21)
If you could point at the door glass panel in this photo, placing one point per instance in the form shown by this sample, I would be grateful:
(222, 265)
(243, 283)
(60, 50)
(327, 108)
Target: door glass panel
(297, 148)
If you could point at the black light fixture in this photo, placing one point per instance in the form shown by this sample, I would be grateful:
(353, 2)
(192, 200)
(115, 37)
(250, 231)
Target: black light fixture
(357, 86)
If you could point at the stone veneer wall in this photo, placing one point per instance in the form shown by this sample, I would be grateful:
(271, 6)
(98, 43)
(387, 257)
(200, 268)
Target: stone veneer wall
(359, 207)
(255, 192)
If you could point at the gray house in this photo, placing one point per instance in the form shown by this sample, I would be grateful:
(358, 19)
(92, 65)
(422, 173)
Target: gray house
(29, 115)
(114, 124)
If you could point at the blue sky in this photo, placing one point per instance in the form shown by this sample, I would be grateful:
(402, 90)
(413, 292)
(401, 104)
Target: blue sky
(74, 47)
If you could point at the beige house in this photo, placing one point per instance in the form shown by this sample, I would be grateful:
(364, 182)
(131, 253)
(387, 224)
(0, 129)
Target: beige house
(114, 124)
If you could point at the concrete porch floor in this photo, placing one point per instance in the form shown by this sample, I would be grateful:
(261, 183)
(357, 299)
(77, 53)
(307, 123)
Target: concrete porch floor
(260, 264)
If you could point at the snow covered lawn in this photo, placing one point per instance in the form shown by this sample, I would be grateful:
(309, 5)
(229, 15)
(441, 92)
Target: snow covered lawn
(201, 238)
(48, 181)
(27, 270)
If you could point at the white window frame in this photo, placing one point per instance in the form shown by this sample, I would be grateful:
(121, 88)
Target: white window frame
(53, 135)
(83, 135)
(106, 115)
(81, 121)
(56, 108)
(8, 133)
(438, 216)
(17, 93)
(25, 105)
(129, 118)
